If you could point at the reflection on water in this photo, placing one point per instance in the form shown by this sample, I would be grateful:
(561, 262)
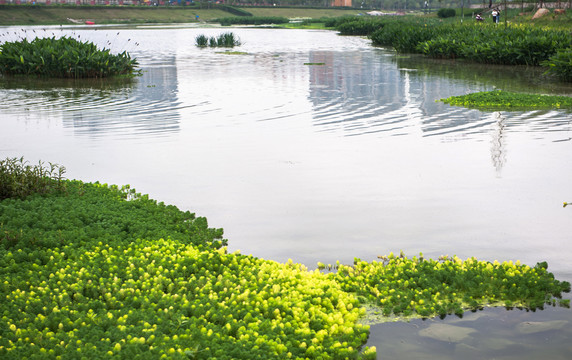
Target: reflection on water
(352, 158)
(128, 108)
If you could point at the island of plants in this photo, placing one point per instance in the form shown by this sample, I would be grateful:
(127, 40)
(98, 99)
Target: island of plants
(89, 270)
(506, 100)
(227, 39)
(64, 57)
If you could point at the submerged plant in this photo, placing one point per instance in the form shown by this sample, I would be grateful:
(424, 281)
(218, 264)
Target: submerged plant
(63, 57)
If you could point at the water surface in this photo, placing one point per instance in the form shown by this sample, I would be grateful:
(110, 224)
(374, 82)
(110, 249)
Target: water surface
(352, 158)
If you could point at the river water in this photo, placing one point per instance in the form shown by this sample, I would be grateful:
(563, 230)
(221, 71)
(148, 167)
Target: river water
(316, 147)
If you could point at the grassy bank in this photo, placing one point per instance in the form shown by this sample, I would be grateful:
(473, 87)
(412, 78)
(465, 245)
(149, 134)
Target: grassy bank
(56, 15)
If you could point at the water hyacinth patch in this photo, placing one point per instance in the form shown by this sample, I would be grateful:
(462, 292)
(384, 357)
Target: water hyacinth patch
(420, 287)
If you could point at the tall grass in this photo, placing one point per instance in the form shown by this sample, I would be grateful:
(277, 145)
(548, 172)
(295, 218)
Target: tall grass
(19, 179)
(63, 57)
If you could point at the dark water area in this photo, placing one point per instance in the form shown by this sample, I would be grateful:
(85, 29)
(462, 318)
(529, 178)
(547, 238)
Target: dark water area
(352, 158)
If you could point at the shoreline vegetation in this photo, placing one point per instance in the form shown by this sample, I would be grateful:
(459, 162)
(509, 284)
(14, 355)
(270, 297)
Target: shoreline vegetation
(94, 270)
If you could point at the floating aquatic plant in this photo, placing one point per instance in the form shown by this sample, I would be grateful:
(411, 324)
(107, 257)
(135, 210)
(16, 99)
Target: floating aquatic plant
(421, 287)
(499, 99)
(101, 271)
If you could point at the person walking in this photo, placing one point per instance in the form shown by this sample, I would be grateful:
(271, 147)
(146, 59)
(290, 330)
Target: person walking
(494, 13)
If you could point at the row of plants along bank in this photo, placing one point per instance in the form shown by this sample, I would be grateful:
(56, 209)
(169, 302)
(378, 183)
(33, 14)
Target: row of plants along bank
(514, 44)
(96, 271)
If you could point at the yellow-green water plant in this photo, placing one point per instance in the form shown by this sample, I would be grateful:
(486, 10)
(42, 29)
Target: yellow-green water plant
(506, 100)
(101, 271)
(161, 298)
(419, 287)
(63, 57)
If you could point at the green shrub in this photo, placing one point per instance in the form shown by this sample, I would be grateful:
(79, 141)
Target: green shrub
(446, 13)
(560, 64)
(63, 57)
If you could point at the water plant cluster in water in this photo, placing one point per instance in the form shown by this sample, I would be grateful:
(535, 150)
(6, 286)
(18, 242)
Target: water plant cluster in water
(227, 39)
(481, 42)
(499, 99)
(64, 57)
(424, 287)
(99, 271)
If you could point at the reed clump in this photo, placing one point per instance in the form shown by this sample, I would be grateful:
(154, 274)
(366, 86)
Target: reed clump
(19, 179)
(63, 57)
(227, 39)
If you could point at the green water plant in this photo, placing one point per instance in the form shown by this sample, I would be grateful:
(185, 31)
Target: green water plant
(100, 271)
(499, 99)
(63, 57)
(560, 64)
(420, 287)
(227, 39)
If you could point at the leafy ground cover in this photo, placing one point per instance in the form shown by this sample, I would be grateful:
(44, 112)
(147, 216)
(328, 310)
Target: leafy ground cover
(499, 99)
(96, 271)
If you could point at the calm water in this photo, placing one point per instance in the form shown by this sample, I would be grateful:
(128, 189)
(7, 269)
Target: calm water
(352, 158)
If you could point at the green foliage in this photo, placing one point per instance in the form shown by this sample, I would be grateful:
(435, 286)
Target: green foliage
(252, 20)
(560, 64)
(100, 271)
(117, 286)
(18, 179)
(478, 42)
(63, 57)
(405, 36)
(425, 287)
(227, 39)
(89, 213)
(360, 26)
(446, 13)
(490, 44)
(498, 99)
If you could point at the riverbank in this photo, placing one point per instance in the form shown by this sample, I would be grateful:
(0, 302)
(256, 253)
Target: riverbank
(62, 15)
